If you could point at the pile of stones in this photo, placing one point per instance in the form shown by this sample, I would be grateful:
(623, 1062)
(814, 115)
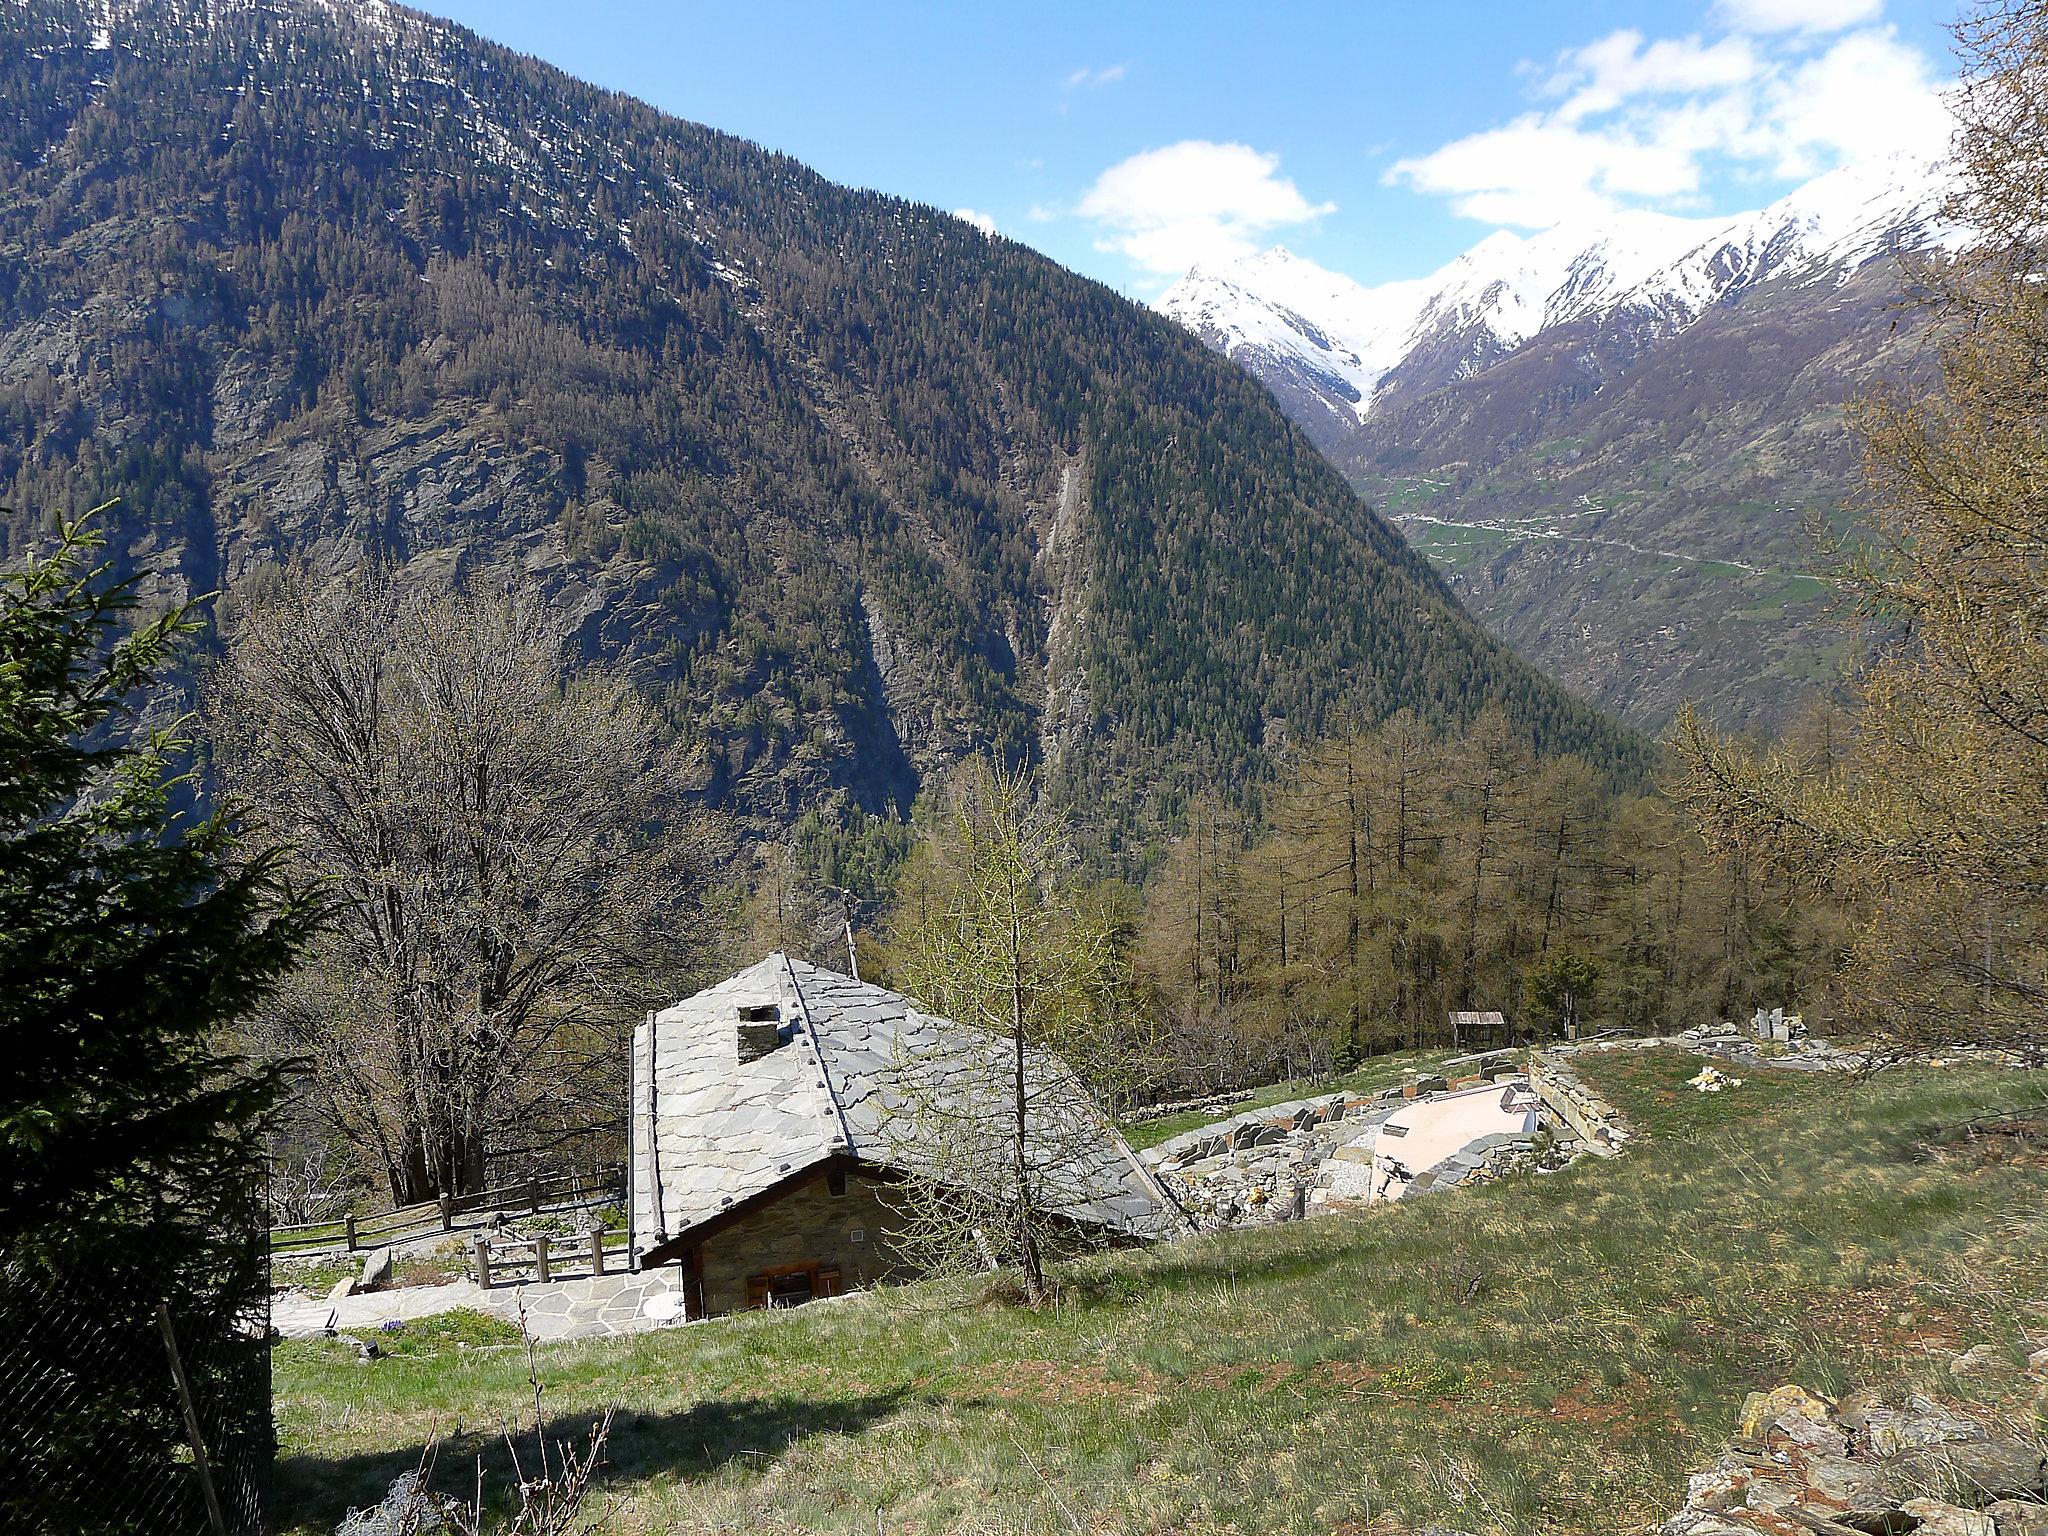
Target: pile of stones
(1285, 1161)
(1865, 1466)
(1262, 1166)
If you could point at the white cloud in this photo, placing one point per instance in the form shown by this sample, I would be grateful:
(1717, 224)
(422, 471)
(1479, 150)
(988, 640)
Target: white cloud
(1194, 201)
(984, 222)
(1868, 94)
(1798, 15)
(1539, 171)
(1644, 123)
(1623, 66)
(1092, 79)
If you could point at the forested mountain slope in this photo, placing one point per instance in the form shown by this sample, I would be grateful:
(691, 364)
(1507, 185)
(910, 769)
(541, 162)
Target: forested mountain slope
(858, 489)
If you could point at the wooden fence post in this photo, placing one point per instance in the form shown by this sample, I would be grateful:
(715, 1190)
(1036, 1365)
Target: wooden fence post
(447, 1213)
(597, 1250)
(540, 1258)
(348, 1227)
(480, 1247)
(213, 1509)
(533, 1193)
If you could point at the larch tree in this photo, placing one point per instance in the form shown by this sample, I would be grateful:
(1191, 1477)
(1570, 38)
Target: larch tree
(1928, 816)
(1007, 945)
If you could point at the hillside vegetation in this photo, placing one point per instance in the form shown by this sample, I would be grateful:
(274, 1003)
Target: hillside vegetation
(858, 490)
(1638, 517)
(1552, 1353)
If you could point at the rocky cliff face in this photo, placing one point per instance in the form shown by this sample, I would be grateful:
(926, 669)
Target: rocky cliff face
(855, 489)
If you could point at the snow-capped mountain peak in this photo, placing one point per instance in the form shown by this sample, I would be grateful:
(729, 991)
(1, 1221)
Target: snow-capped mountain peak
(1323, 341)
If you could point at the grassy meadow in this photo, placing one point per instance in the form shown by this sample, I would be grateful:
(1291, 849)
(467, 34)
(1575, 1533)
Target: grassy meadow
(1547, 1354)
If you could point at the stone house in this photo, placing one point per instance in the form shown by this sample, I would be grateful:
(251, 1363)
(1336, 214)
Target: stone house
(759, 1147)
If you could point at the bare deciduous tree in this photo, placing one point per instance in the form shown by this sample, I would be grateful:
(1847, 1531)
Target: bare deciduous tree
(511, 863)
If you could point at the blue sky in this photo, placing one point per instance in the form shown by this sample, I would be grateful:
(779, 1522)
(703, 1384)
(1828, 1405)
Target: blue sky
(1379, 137)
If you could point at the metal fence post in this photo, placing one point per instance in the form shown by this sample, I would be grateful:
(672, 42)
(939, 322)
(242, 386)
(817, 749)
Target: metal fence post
(213, 1510)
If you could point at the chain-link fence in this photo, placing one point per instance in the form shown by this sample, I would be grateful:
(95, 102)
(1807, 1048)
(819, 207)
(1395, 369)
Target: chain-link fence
(123, 1412)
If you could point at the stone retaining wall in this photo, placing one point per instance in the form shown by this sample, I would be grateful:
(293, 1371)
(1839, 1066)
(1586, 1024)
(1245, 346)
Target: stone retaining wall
(1598, 1124)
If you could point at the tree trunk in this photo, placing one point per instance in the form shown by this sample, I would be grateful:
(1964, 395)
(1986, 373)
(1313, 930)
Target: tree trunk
(455, 1167)
(1027, 1234)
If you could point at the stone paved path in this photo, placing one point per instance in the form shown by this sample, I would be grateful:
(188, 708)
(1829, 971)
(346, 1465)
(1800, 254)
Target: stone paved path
(599, 1307)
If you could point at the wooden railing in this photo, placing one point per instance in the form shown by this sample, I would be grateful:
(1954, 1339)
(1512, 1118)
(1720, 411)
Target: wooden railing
(451, 1213)
(544, 1257)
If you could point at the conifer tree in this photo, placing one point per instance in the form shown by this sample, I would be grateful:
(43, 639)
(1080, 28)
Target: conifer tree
(131, 939)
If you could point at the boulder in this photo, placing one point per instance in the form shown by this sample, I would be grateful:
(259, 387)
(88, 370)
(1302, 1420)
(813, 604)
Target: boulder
(1720, 1487)
(1977, 1360)
(1703, 1522)
(1762, 1410)
(2018, 1517)
(1817, 1437)
(1843, 1488)
(377, 1268)
(1938, 1519)
(1994, 1467)
(1922, 1422)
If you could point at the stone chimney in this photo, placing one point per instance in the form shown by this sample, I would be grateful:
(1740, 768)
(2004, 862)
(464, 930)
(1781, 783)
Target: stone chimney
(760, 1030)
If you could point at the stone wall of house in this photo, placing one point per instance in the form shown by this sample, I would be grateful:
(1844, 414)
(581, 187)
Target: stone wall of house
(808, 1225)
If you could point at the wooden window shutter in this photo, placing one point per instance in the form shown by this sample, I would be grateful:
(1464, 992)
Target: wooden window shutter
(757, 1290)
(826, 1281)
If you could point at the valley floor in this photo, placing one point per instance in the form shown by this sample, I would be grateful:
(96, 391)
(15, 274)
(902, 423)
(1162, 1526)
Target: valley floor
(1549, 1353)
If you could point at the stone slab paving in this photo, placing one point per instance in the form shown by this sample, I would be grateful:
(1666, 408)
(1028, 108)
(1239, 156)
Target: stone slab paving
(594, 1307)
(603, 1306)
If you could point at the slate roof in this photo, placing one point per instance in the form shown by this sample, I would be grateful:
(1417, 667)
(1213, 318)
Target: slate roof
(710, 1131)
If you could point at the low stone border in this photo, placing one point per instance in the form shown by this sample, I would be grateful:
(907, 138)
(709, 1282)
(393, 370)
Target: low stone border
(1600, 1127)
(1865, 1467)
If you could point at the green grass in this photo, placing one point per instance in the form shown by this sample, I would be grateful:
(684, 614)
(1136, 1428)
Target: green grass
(310, 1237)
(1380, 1072)
(1543, 1355)
(445, 1333)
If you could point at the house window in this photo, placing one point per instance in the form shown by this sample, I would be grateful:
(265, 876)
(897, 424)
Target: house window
(835, 1181)
(791, 1285)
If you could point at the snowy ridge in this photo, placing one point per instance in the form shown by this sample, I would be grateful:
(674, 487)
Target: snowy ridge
(1287, 319)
